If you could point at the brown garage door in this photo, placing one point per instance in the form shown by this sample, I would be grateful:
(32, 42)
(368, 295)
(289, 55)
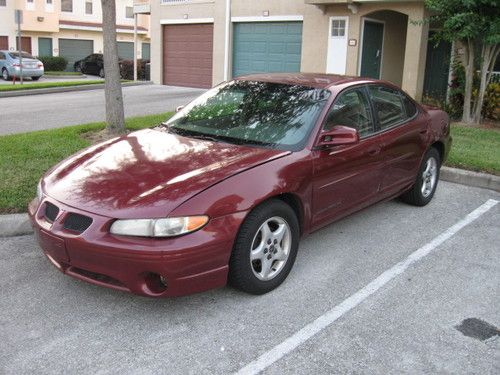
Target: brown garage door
(25, 43)
(4, 42)
(187, 55)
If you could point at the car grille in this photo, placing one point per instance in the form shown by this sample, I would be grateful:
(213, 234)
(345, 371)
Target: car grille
(76, 222)
(51, 211)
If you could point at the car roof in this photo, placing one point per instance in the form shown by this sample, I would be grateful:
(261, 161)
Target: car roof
(316, 80)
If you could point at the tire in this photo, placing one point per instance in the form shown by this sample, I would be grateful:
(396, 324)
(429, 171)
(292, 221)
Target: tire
(35, 78)
(424, 188)
(78, 68)
(101, 73)
(5, 74)
(257, 265)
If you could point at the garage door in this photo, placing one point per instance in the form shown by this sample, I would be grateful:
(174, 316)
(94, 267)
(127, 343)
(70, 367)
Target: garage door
(262, 47)
(4, 42)
(74, 50)
(125, 50)
(187, 55)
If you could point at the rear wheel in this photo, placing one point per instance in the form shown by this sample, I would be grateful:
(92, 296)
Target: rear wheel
(423, 190)
(5, 74)
(265, 248)
(101, 73)
(35, 78)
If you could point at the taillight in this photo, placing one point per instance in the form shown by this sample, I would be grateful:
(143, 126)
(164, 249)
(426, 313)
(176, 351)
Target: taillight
(40, 65)
(17, 65)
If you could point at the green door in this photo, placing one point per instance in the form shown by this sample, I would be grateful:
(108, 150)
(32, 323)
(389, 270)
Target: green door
(125, 50)
(264, 47)
(146, 51)
(371, 58)
(74, 50)
(437, 68)
(44, 46)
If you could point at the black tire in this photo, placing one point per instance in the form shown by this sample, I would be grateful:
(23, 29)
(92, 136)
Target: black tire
(101, 73)
(415, 196)
(78, 68)
(241, 269)
(35, 78)
(5, 74)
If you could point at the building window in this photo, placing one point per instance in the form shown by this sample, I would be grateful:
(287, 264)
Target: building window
(338, 27)
(3, 3)
(129, 12)
(88, 7)
(66, 5)
(30, 5)
(49, 2)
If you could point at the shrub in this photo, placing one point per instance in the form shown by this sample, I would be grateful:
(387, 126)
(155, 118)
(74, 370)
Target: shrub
(127, 69)
(53, 63)
(491, 105)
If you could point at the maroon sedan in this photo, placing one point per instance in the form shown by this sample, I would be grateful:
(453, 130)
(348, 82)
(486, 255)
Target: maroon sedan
(226, 188)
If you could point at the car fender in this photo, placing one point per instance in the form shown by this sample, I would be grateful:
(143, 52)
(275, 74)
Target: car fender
(242, 192)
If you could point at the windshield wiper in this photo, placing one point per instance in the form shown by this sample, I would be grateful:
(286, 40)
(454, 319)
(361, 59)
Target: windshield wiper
(203, 137)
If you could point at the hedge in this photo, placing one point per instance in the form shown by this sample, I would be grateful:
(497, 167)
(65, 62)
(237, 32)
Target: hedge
(53, 63)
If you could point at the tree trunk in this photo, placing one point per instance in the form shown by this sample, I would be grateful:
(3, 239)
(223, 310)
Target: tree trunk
(489, 54)
(469, 77)
(115, 117)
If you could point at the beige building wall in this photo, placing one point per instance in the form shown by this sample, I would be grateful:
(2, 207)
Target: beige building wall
(405, 42)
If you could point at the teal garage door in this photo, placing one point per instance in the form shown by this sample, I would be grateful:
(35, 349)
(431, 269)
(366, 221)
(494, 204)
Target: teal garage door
(265, 47)
(125, 50)
(74, 50)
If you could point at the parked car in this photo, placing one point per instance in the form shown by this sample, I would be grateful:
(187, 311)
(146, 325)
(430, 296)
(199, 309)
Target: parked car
(92, 64)
(227, 187)
(10, 65)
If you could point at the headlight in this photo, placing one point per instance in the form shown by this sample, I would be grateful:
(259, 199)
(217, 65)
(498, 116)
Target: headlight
(167, 227)
(39, 192)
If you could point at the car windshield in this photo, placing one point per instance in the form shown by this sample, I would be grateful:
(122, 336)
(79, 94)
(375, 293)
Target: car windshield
(24, 55)
(254, 113)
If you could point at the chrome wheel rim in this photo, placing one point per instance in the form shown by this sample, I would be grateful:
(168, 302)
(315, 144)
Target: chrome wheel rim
(429, 177)
(270, 248)
(5, 75)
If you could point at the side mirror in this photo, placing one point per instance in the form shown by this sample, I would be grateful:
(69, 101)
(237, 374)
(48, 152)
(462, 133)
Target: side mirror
(179, 108)
(338, 135)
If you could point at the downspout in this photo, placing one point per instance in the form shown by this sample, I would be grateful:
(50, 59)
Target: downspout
(226, 40)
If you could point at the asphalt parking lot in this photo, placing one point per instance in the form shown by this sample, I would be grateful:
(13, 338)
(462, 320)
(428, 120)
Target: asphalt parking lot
(405, 321)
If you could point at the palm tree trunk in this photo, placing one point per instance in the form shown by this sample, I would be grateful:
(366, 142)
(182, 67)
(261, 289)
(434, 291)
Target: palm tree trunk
(115, 117)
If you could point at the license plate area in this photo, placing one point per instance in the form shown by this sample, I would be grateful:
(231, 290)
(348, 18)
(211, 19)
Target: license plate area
(53, 246)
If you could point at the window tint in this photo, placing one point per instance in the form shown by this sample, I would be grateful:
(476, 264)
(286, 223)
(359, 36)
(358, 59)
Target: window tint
(388, 106)
(129, 12)
(410, 107)
(351, 109)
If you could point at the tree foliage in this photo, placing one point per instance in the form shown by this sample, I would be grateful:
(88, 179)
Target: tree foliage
(476, 25)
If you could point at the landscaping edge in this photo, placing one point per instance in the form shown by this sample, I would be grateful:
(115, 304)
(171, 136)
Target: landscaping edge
(19, 224)
(51, 90)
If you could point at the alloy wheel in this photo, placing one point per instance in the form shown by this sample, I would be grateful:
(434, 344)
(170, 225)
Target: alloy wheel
(429, 177)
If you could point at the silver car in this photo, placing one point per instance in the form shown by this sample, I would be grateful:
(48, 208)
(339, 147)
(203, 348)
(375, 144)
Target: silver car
(10, 67)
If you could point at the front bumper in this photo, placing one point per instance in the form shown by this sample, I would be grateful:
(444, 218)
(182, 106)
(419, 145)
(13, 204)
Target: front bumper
(150, 267)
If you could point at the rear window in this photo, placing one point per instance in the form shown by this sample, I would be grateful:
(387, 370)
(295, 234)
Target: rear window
(25, 55)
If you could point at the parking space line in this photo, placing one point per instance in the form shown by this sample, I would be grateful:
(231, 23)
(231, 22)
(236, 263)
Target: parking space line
(279, 351)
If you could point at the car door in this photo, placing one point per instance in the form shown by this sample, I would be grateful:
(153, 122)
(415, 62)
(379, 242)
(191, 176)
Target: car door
(404, 133)
(347, 177)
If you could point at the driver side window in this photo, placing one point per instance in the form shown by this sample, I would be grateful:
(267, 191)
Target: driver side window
(351, 109)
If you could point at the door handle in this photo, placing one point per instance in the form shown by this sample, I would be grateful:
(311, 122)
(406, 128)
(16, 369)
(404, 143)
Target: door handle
(374, 151)
(423, 132)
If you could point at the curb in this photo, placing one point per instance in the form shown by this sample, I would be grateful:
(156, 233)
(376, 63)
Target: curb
(469, 178)
(51, 90)
(15, 225)
(19, 224)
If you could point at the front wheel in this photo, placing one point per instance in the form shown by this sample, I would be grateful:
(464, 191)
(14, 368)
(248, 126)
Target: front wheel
(265, 248)
(101, 73)
(423, 190)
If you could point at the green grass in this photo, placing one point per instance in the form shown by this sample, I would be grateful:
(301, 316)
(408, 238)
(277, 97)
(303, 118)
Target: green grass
(63, 73)
(475, 149)
(45, 85)
(25, 157)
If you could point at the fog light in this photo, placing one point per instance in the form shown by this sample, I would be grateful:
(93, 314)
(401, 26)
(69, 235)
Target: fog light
(155, 283)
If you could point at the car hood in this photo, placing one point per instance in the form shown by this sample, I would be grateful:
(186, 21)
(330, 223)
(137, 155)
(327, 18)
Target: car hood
(147, 173)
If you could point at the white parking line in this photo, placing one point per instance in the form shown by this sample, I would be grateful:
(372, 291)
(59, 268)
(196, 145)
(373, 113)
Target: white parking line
(292, 342)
